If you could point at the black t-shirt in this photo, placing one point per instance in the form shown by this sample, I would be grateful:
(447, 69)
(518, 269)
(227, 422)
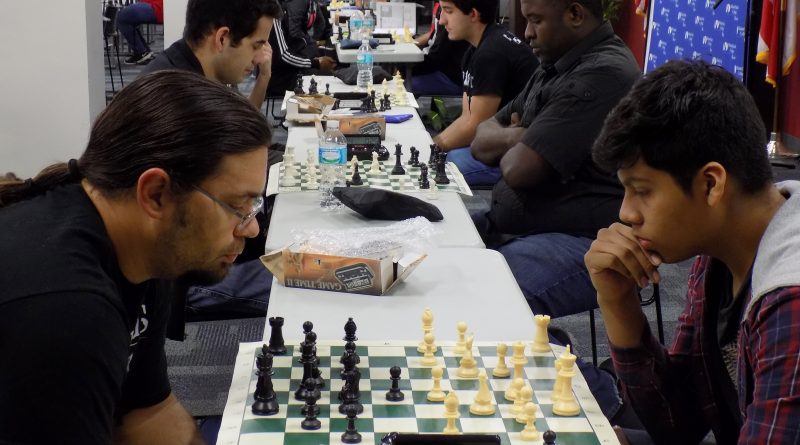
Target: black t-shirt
(177, 57)
(500, 65)
(442, 54)
(79, 344)
(563, 108)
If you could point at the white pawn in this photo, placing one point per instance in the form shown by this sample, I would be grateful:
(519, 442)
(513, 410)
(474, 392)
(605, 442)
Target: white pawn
(518, 385)
(501, 371)
(524, 396)
(482, 405)
(530, 433)
(433, 191)
(311, 177)
(460, 346)
(468, 366)
(541, 343)
(451, 413)
(311, 158)
(385, 85)
(427, 327)
(375, 167)
(436, 394)
(518, 359)
(428, 359)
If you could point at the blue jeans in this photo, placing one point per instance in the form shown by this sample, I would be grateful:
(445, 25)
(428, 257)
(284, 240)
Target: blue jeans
(129, 18)
(475, 172)
(548, 267)
(243, 293)
(432, 84)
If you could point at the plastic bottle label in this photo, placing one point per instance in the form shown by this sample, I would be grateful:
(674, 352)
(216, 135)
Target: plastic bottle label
(364, 58)
(332, 155)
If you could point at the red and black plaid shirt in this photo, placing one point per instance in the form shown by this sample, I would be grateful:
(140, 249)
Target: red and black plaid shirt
(678, 394)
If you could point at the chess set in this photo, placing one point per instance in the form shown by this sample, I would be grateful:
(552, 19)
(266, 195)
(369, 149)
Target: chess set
(373, 102)
(352, 391)
(435, 175)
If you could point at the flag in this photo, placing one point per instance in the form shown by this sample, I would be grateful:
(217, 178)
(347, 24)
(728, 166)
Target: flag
(768, 38)
(641, 9)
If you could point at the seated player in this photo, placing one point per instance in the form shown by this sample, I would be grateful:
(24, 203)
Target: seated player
(86, 243)
(128, 21)
(440, 71)
(688, 145)
(297, 52)
(495, 68)
(552, 198)
(224, 40)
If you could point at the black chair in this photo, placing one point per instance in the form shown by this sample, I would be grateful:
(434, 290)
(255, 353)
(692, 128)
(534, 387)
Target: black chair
(279, 119)
(111, 40)
(654, 298)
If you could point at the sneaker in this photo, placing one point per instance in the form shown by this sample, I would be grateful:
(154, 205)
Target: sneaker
(139, 58)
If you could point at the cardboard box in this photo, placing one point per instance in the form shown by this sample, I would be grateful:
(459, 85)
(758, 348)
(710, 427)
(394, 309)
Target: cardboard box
(307, 108)
(362, 124)
(370, 276)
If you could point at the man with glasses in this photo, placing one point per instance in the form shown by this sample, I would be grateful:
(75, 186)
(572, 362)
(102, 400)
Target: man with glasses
(88, 245)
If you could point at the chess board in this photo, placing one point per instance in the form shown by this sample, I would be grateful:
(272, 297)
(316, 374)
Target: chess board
(298, 182)
(415, 414)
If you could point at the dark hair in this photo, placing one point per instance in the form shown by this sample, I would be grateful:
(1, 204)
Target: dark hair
(680, 117)
(175, 120)
(593, 6)
(241, 16)
(486, 8)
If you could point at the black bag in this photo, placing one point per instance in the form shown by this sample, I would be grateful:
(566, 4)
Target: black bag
(350, 74)
(385, 204)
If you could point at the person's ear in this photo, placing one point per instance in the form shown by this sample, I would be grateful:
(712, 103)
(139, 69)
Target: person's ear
(221, 35)
(153, 194)
(713, 179)
(575, 14)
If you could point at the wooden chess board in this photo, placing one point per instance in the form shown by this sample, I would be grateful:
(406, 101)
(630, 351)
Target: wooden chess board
(415, 414)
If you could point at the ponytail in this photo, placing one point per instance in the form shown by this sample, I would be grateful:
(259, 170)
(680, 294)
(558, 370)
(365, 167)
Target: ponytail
(16, 190)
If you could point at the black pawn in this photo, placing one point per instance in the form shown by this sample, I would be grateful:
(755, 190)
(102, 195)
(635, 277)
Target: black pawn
(312, 86)
(549, 437)
(339, 35)
(394, 394)
(266, 402)
(276, 343)
(350, 330)
(327, 89)
(383, 105)
(388, 101)
(423, 177)
(414, 157)
(351, 435)
(411, 155)
(441, 175)
(298, 89)
(372, 107)
(432, 158)
(310, 409)
(398, 163)
(307, 327)
(356, 179)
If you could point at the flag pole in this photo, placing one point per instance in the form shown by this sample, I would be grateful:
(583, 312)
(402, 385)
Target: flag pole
(776, 110)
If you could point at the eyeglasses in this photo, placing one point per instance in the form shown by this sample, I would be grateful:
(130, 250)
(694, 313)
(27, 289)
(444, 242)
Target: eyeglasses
(258, 206)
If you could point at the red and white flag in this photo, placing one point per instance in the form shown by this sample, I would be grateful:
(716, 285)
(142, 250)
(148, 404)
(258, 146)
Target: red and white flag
(768, 38)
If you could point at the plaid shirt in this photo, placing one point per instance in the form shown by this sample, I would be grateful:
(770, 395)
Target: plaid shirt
(682, 393)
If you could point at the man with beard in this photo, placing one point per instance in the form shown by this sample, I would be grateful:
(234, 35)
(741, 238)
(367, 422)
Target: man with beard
(81, 327)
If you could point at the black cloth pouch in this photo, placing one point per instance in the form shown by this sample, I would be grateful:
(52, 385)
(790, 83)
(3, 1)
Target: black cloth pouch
(385, 204)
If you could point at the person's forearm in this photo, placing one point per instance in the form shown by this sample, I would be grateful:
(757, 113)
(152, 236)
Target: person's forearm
(259, 92)
(458, 134)
(165, 423)
(492, 141)
(623, 318)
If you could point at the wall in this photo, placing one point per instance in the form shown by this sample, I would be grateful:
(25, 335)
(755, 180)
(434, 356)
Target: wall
(174, 19)
(790, 108)
(630, 28)
(52, 84)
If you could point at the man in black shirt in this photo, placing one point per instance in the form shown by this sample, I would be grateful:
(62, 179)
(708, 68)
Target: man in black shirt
(224, 40)
(440, 72)
(495, 68)
(87, 244)
(552, 198)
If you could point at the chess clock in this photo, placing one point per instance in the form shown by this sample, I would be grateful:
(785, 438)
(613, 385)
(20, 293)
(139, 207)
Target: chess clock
(362, 146)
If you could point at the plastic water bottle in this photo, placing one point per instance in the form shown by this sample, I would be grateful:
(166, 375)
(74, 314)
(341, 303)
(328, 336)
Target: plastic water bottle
(356, 25)
(332, 165)
(369, 24)
(364, 62)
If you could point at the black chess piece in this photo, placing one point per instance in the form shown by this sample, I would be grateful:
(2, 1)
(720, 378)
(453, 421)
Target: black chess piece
(350, 330)
(356, 179)
(423, 177)
(261, 355)
(365, 102)
(432, 158)
(310, 409)
(394, 394)
(298, 89)
(414, 157)
(398, 163)
(549, 437)
(411, 155)
(339, 35)
(351, 435)
(383, 105)
(372, 107)
(266, 402)
(350, 393)
(349, 351)
(441, 175)
(312, 86)
(308, 374)
(276, 343)
(388, 101)
(307, 327)
(327, 89)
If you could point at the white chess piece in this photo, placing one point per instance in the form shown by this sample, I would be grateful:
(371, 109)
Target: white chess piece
(427, 327)
(530, 433)
(468, 366)
(501, 370)
(524, 396)
(564, 403)
(482, 405)
(375, 167)
(517, 384)
(451, 413)
(460, 347)
(541, 342)
(436, 394)
(385, 85)
(518, 360)
(433, 192)
(311, 177)
(428, 359)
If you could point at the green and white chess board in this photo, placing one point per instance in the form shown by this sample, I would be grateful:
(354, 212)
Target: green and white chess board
(297, 180)
(415, 414)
